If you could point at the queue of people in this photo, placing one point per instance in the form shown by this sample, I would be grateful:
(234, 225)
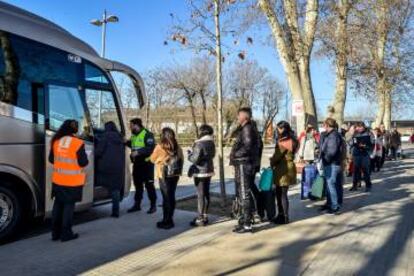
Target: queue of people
(334, 151)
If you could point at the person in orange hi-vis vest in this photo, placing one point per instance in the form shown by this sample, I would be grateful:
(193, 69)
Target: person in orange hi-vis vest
(68, 156)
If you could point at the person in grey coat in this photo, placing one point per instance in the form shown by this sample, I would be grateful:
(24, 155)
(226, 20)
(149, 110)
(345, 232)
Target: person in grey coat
(202, 170)
(110, 154)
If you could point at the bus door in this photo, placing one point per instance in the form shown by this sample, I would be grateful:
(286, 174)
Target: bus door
(63, 103)
(102, 106)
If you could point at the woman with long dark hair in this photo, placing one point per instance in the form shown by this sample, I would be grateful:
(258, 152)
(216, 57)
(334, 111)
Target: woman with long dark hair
(284, 168)
(68, 156)
(202, 170)
(167, 157)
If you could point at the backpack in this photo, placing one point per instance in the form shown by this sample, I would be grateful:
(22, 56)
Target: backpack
(174, 166)
(343, 149)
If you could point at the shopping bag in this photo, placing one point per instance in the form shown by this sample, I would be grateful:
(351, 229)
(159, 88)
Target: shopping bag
(317, 187)
(266, 180)
(308, 177)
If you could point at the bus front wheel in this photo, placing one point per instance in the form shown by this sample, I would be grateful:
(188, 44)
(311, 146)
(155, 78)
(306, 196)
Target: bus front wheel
(10, 213)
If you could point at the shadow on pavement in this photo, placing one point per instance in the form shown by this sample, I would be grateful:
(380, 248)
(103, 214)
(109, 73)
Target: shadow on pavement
(382, 260)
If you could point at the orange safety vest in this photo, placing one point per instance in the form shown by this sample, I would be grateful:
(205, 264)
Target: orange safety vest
(66, 170)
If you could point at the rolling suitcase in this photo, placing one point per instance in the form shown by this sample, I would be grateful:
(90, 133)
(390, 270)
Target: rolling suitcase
(309, 175)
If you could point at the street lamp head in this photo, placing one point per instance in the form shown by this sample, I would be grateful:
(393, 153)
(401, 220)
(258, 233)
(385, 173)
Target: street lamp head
(96, 22)
(112, 18)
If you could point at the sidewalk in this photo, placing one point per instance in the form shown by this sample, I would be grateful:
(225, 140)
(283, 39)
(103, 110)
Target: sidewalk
(374, 236)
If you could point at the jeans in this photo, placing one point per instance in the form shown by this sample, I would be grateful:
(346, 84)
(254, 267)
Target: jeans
(62, 219)
(333, 176)
(168, 185)
(203, 194)
(116, 198)
(394, 152)
(362, 164)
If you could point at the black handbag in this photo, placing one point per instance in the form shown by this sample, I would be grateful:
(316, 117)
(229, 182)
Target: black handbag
(192, 170)
(174, 166)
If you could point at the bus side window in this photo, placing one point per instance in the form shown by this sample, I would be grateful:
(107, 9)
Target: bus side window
(65, 103)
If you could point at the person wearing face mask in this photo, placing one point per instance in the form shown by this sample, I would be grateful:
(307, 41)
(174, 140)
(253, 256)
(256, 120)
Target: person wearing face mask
(142, 144)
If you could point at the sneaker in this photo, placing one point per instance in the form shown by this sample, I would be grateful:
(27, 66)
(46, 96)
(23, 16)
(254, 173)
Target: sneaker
(244, 229)
(323, 208)
(336, 211)
(198, 222)
(134, 208)
(115, 215)
(353, 189)
(69, 238)
(152, 210)
(238, 227)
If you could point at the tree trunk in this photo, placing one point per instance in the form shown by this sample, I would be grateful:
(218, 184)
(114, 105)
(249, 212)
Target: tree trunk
(219, 99)
(295, 56)
(382, 9)
(147, 112)
(341, 61)
(307, 94)
(388, 110)
(381, 110)
(204, 105)
(193, 112)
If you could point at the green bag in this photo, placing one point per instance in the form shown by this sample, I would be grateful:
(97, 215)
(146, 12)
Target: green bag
(266, 180)
(317, 187)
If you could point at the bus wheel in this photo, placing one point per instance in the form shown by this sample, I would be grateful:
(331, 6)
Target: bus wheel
(10, 213)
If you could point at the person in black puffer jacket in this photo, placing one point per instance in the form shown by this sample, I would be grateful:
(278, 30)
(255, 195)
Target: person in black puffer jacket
(202, 155)
(244, 158)
(361, 146)
(110, 159)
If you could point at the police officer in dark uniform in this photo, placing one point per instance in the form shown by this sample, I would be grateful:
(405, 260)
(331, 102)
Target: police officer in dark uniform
(142, 145)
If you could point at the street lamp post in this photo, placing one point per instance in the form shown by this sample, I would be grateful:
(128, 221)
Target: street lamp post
(102, 23)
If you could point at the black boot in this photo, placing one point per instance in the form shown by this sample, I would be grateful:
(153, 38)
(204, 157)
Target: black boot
(134, 208)
(70, 237)
(278, 220)
(152, 209)
(166, 225)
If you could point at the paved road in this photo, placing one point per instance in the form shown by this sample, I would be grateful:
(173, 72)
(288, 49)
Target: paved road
(374, 236)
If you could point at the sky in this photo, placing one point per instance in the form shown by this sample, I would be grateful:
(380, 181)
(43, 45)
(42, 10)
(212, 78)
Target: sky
(137, 39)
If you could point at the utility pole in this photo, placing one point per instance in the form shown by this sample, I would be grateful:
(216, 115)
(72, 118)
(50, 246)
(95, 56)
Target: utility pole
(219, 100)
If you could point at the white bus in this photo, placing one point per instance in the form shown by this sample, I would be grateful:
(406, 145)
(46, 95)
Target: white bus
(47, 76)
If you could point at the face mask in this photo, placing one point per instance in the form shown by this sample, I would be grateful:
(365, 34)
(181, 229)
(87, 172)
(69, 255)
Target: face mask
(135, 130)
